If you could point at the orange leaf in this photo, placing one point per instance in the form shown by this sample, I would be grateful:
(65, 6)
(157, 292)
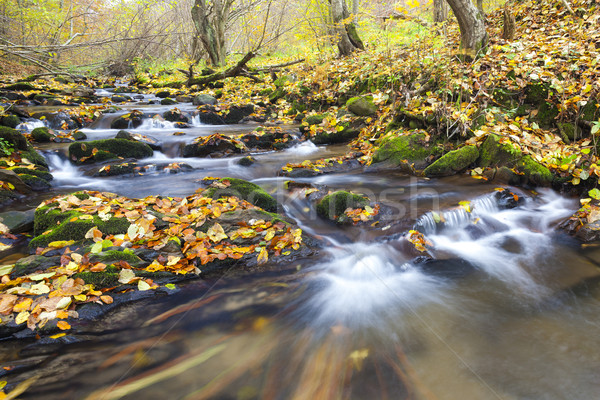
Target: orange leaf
(63, 325)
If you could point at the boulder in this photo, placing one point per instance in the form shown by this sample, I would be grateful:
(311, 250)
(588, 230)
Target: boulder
(453, 162)
(242, 189)
(128, 121)
(14, 179)
(42, 135)
(176, 115)
(12, 121)
(333, 205)
(154, 143)
(100, 150)
(237, 113)
(211, 118)
(204, 99)
(362, 106)
(396, 151)
(17, 221)
(168, 101)
(216, 145)
(20, 87)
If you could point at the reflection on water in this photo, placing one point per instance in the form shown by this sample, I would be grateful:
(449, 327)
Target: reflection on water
(506, 309)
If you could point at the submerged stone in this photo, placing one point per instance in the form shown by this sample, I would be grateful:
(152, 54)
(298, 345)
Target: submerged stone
(100, 150)
(333, 205)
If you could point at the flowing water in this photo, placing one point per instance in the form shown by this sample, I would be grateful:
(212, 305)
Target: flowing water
(503, 307)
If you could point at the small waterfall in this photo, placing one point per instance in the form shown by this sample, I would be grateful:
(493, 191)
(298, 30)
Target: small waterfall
(302, 149)
(66, 174)
(196, 121)
(30, 125)
(153, 124)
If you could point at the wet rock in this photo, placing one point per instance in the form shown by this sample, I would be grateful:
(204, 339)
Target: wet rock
(211, 118)
(100, 150)
(13, 96)
(184, 99)
(176, 115)
(345, 134)
(453, 162)
(131, 120)
(168, 101)
(42, 135)
(163, 94)
(362, 106)
(120, 99)
(204, 99)
(333, 205)
(17, 221)
(58, 120)
(78, 135)
(238, 113)
(35, 182)
(12, 178)
(216, 145)
(20, 87)
(18, 142)
(414, 149)
(34, 263)
(248, 191)
(496, 154)
(154, 143)
(12, 121)
(451, 268)
(246, 161)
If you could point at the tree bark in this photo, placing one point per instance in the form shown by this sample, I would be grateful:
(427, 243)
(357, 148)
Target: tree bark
(440, 10)
(348, 40)
(508, 32)
(209, 19)
(473, 36)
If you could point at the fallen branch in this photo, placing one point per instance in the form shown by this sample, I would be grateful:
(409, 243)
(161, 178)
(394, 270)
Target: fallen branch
(277, 67)
(237, 70)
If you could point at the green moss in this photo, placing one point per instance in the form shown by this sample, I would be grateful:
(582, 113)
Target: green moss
(12, 121)
(100, 279)
(315, 119)
(35, 182)
(362, 106)
(536, 173)
(114, 256)
(333, 205)
(590, 112)
(546, 115)
(14, 137)
(35, 157)
(108, 149)
(341, 136)
(59, 226)
(412, 148)
(41, 135)
(248, 191)
(493, 153)
(7, 196)
(453, 162)
(35, 172)
(535, 93)
(20, 86)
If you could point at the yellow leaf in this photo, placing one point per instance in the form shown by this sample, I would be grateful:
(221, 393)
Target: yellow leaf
(143, 285)
(23, 305)
(60, 243)
(216, 233)
(126, 276)
(80, 297)
(58, 335)
(40, 288)
(263, 256)
(86, 216)
(22, 317)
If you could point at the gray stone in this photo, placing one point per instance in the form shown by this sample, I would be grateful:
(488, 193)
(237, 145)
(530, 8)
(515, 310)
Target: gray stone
(204, 99)
(18, 221)
(362, 106)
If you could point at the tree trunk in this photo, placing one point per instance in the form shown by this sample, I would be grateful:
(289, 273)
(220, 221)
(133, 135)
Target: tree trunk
(347, 36)
(473, 36)
(209, 20)
(440, 10)
(508, 32)
(480, 7)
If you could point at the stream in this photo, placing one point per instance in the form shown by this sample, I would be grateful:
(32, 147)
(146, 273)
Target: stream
(506, 310)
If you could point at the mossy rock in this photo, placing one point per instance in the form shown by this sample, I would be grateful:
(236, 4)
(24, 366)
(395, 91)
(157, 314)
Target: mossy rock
(246, 161)
(7, 196)
(341, 136)
(535, 93)
(333, 205)
(107, 149)
(314, 119)
(43, 97)
(52, 224)
(14, 138)
(453, 162)
(35, 172)
(32, 264)
(12, 121)
(245, 190)
(567, 131)
(102, 279)
(590, 112)
(168, 101)
(279, 93)
(35, 182)
(546, 114)
(114, 256)
(535, 173)
(20, 87)
(78, 135)
(492, 153)
(282, 81)
(362, 106)
(413, 148)
(42, 135)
